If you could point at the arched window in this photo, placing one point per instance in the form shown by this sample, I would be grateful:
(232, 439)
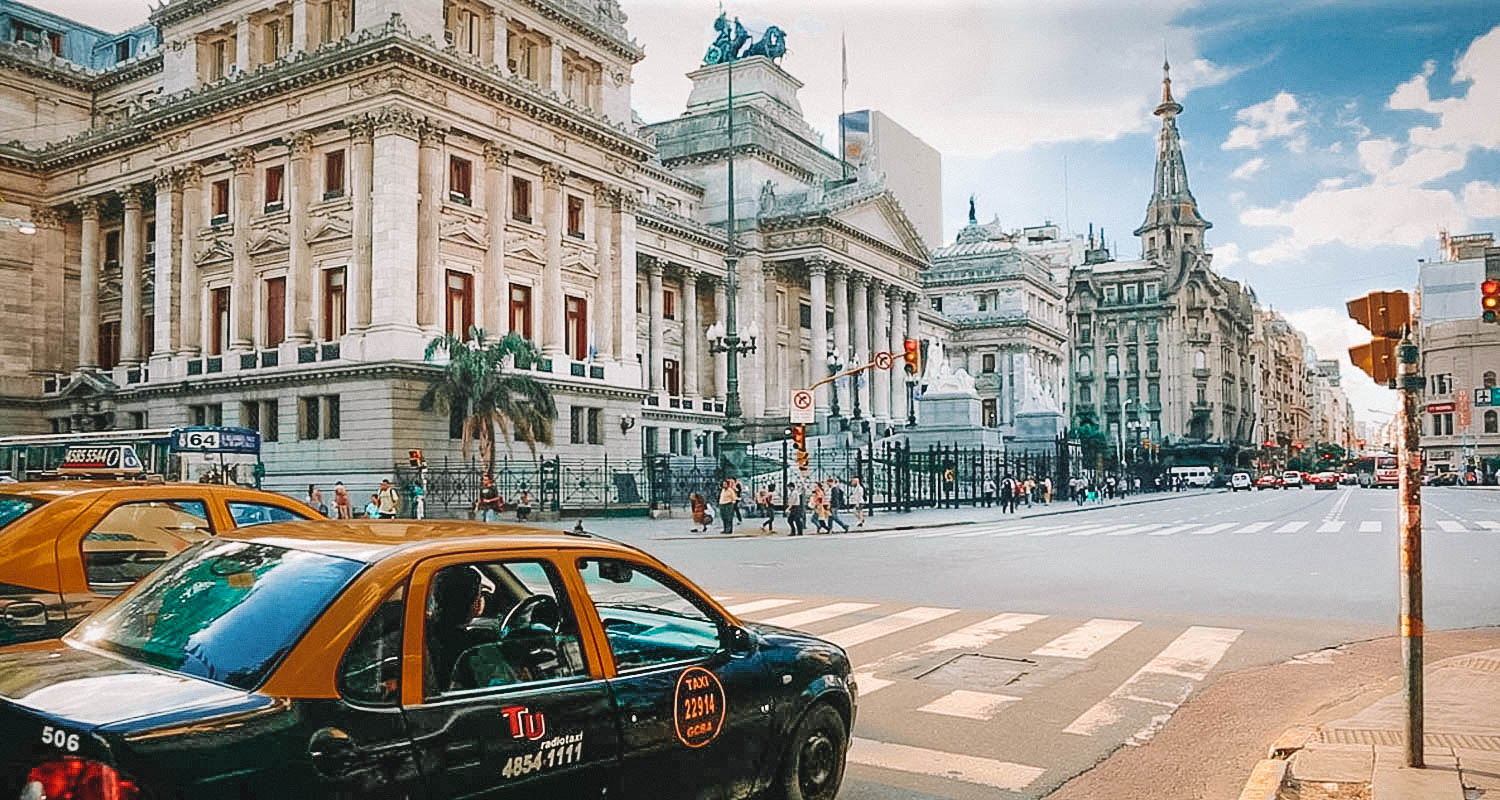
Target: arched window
(1489, 379)
(1491, 422)
(1200, 360)
(1085, 363)
(1112, 364)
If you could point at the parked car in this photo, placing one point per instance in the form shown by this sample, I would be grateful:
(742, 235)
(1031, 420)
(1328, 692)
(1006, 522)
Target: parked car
(1445, 479)
(1291, 478)
(396, 659)
(1269, 481)
(1240, 480)
(1325, 480)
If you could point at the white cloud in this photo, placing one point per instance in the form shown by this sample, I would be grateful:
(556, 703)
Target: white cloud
(1226, 255)
(1482, 200)
(1331, 183)
(1247, 170)
(1468, 118)
(1363, 217)
(1262, 122)
(1331, 333)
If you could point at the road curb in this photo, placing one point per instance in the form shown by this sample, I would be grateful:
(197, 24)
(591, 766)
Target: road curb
(1269, 775)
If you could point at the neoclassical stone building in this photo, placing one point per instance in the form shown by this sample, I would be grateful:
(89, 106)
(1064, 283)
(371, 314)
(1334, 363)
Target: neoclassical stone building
(265, 219)
(1162, 345)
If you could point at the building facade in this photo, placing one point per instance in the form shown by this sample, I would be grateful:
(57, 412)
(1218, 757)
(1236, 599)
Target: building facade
(265, 219)
(1461, 359)
(1162, 345)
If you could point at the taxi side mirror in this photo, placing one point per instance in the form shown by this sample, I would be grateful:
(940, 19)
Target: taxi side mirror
(739, 640)
(24, 614)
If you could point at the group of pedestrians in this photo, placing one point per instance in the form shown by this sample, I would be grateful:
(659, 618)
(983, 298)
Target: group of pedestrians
(1010, 492)
(385, 502)
(823, 500)
(490, 504)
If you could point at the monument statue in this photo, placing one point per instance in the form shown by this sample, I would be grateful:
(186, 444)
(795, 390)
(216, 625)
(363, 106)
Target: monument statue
(767, 197)
(942, 379)
(731, 37)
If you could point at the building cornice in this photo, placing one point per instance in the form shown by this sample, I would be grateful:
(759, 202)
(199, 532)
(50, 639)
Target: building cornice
(658, 219)
(824, 219)
(29, 60)
(576, 16)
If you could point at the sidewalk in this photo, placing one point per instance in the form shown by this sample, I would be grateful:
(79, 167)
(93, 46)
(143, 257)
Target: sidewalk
(1362, 756)
(679, 524)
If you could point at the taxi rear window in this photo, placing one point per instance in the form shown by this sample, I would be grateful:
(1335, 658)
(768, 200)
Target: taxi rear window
(14, 506)
(222, 610)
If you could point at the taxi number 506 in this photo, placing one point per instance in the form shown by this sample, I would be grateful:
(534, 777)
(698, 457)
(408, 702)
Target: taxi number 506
(516, 766)
(60, 739)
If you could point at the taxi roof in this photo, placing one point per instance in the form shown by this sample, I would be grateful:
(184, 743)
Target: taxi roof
(374, 540)
(58, 489)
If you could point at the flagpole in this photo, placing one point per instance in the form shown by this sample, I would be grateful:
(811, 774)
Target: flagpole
(843, 90)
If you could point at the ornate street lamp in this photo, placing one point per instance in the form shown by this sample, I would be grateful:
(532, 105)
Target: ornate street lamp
(835, 366)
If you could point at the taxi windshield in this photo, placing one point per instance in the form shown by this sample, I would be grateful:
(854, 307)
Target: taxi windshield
(221, 610)
(14, 506)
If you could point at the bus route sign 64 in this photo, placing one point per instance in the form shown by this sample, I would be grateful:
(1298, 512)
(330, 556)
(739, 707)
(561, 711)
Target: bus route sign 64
(207, 439)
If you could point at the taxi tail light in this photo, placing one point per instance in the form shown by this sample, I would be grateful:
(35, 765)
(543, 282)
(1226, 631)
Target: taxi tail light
(80, 779)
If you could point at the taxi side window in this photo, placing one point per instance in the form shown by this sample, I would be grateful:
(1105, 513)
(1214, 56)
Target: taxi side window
(246, 514)
(498, 624)
(647, 619)
(371, 670)
(134, 539)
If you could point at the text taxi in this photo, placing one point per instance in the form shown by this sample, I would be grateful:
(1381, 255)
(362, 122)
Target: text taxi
(395, 659)
(68, 546)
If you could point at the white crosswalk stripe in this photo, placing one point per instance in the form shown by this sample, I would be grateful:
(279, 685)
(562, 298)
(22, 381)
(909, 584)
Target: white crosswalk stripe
(969, 704)
(954, 766)
(1488, 524)
(884, 626)
(1129, 530)
(1216, 528)
(1254, 527)
(797, 619)
(741, 609)
(1164, 682)
(1086, 639)
(1370, 526)
(1451, 526)
(1172, 530)
(1090, 530)
(1052, 531)
(1331, 526)
(1292, 527)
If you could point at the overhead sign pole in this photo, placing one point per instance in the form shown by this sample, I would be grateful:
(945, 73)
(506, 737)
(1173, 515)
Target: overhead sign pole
(1387, 315)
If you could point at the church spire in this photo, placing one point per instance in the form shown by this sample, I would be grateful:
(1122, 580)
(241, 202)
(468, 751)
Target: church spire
(1173, 224)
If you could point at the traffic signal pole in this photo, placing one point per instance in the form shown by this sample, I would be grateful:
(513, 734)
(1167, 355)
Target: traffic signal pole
(1409, 520)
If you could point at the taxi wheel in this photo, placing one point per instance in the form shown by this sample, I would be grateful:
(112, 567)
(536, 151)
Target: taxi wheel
(814, 765)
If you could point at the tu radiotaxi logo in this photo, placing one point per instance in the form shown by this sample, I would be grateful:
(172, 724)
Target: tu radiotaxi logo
(525, 723)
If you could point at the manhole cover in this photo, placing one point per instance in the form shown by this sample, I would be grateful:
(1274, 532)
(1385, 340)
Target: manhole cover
(979, 672)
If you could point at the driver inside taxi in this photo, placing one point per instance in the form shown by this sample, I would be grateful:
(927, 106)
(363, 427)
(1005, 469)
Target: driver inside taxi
(457, 599)
(482, 632)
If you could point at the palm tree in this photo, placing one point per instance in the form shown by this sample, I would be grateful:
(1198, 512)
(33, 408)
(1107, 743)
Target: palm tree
(478, 383)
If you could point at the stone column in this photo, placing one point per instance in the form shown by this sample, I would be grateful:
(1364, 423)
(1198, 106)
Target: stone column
(692, 334)
(881, 378)
(44, 299)
(393, 225)
(750, 305)
(772, 368)
(817, 269)
(553, 321)
(655, 322)
(300, 39)
(861, 331)
(430, 288)
(605, 306)
(721, 360)
(242, 295)
(841, 330)
(242, 44)
(624, 288)
(896, 297)
(130, 279)
(168, 248)
(501, 42)
(494, 292)
(188, 324)
(361, 188)
(88, 285)
(299, 273)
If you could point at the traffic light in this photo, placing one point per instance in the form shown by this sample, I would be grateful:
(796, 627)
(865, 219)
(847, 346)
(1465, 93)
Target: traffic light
(414, 458)
(799, 437)
(802, 460)
(1377, 359)
(913, 357)
(1388, 316)
(1489, 300)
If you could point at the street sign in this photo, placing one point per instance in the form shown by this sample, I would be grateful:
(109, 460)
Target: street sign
(210, 439)
(883, 360)
(1482, 397)
(802, 406)
(1463, 417)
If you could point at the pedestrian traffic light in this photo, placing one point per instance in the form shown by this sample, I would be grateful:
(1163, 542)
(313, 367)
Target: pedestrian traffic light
(1377, 359)
(913, 357)
(1489, 300)
(802, 460)
(799, 437)
(414, 458)
(1388, 316)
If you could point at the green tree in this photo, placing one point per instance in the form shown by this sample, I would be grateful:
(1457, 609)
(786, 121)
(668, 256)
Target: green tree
(1091, 440)
(1331, 456)
(478, 384)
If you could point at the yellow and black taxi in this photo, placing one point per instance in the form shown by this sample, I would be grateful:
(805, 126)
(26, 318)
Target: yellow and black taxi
(395, 659)
(68, 546)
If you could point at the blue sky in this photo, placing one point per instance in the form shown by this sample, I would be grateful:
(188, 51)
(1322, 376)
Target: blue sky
(1327, 141)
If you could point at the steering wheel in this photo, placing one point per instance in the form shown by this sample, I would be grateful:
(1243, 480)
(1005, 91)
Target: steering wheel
(538, 609)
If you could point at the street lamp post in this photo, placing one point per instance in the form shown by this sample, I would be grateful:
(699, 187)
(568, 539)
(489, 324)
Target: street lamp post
(911, 397)
(1123, 412)
(835, 366)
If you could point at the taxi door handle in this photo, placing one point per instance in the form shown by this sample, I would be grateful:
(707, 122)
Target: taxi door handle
(332, 751)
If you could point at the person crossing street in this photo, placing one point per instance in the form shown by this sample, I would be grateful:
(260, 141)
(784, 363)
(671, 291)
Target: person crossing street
(836, 500)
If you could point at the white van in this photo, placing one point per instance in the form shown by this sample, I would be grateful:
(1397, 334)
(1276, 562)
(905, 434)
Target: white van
(1200, 477)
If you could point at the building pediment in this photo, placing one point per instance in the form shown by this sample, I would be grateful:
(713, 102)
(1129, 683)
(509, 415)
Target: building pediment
(270, 241)
(882, 218)
(329, 228)
(523, 246)
(463, 231)
(87, 385)
(216, 250)
(579, 262)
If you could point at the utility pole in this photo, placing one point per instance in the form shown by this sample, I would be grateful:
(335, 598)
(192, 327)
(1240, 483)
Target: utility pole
(1388, 316)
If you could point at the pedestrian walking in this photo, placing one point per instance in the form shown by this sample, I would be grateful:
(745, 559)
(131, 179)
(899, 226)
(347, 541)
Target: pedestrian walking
(729, 502)
(1007, 494)
(342, 508)
(989, 492)
(1028, 489)
(820, 508)
(523, 506)
(739, 494)
(372, 508)
(766, 500)
(857, 501)
(795, 520)
(836, 500)
(700, 512)
(1047, 490)
(488, 504)
(315, 499)
(390, 500)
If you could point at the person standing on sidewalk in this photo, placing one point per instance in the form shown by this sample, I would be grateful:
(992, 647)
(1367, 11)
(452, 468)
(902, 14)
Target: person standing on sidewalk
(836, 499)
(766, 500)
(794, 518)
(390, 501)
(857, 500)
(739, 494)
(700, 512)
(343, 508)
(1007, 495)
(523, 506)
(989, 491)
(1047, 490)
(729, 502)
(488, 504)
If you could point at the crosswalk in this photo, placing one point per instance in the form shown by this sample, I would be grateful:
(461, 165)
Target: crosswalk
(999, 688)
(1060, 526)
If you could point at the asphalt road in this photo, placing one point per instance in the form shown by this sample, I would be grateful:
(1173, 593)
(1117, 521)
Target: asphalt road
(1000, 658)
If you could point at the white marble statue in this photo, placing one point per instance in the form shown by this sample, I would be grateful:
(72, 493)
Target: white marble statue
(942, 379)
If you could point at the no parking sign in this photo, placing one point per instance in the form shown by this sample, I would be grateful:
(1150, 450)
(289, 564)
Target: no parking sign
(802, 406)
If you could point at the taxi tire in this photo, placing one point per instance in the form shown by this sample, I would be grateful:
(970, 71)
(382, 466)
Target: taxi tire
(821, 732)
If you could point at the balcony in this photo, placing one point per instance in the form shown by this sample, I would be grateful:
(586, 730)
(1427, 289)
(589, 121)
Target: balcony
(1200, 408)
(1201, 372)
(1199, 337)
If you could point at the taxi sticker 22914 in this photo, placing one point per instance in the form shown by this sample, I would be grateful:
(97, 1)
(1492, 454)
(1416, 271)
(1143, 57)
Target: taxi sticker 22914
(556, 752)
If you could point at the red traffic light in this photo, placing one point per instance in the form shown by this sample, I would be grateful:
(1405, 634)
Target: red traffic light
(799, 437)
(1489, 300)
(913, 356)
